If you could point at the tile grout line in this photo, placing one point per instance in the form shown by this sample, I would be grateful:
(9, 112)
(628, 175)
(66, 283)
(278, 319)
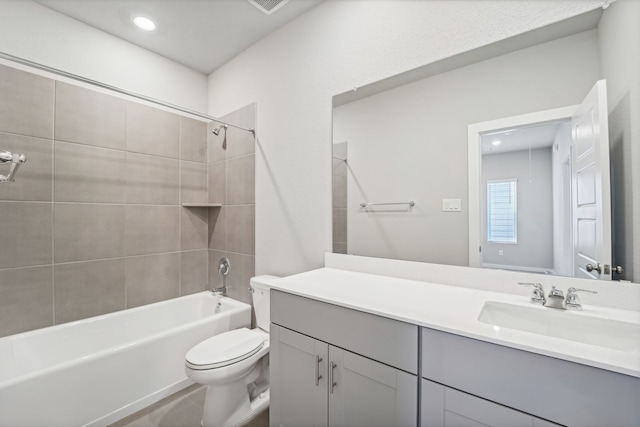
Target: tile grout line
(126, 202)
(53, 205)
(179, 203)
(208, 235)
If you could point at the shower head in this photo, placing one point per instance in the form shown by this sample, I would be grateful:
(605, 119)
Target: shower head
(16, 161)
(217, 130)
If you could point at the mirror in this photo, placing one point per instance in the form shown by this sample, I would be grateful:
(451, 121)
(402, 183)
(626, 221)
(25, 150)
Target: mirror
(400, 152)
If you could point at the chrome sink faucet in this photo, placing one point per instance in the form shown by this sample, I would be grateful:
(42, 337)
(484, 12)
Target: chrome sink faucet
(573, 300)
(537, 296)
(556, 298)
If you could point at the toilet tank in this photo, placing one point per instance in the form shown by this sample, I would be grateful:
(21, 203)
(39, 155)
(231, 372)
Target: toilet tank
(260, 293)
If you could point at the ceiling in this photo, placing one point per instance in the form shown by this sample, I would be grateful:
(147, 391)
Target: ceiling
(524, 138)
(201, 34)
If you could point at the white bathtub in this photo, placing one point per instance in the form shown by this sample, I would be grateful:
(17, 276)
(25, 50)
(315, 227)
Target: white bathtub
(99, 370)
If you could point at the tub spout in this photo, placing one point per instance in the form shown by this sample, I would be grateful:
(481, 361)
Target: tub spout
(221, 291)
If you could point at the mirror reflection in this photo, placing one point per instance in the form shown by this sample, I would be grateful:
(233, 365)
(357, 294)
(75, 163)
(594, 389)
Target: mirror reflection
(406, 139)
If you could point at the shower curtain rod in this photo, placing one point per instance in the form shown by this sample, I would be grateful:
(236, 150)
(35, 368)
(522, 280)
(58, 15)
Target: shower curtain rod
(72, 76)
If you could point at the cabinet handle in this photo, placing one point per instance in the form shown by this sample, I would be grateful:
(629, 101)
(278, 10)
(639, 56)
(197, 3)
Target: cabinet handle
(332, 384)
(318, 374)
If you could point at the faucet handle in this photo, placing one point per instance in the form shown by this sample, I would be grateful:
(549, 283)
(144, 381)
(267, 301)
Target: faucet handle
(573, 300)
(535, 285)
(537, 297)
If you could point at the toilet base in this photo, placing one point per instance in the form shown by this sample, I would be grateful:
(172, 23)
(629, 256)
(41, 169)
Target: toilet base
(220, 399)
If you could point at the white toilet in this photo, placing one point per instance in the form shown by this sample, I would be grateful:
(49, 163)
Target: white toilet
(234, 366)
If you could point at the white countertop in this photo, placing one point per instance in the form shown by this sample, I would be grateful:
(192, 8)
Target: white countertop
(456, 309)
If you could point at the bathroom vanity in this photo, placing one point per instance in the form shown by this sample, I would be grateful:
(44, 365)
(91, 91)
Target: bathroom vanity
(353, 348)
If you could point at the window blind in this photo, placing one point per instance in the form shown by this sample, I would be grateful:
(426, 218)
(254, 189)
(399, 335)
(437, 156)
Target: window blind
(502, 218)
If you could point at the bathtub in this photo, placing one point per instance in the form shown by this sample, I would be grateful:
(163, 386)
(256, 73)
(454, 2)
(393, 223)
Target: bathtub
(96, 371)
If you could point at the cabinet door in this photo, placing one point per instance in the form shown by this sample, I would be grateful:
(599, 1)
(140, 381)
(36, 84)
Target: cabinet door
(366, 393)
(446, 407)
(298, 396)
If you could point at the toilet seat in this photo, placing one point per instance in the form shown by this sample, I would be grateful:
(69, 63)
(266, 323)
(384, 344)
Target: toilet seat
(224, 349)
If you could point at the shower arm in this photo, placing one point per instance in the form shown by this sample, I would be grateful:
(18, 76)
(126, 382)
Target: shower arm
(16, 161)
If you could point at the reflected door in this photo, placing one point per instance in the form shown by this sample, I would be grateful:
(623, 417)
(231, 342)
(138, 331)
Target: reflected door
(591, 181)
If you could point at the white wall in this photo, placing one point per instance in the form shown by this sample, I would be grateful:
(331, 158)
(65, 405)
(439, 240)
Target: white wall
(619, 35)
(33, 32)
(535, 208)
(293, 73)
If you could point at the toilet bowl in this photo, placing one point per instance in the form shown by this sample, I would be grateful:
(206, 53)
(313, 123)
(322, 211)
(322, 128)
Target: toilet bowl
(235, 367)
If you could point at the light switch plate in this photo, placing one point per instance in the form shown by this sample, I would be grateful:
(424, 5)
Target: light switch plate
(451, 205)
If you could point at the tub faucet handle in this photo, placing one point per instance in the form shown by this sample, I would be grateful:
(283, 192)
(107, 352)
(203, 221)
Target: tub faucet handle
(224, 266)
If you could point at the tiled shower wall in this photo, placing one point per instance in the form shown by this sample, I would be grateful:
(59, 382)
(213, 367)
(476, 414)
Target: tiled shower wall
(94, 222)
(232, 183)
(339, 196)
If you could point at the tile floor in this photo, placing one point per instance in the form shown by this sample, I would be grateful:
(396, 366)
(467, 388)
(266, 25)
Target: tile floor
(182, 409)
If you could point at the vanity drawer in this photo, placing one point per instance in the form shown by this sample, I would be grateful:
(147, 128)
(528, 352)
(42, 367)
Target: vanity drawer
(386, 340)
(564, 392)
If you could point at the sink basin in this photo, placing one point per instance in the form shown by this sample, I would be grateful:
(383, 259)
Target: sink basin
(568, 325)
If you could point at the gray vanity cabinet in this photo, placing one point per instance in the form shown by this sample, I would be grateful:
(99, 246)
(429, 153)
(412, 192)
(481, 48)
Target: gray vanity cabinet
(298, 376)
(336, 367)
(467, 379)
(368, 393)
(446, 407)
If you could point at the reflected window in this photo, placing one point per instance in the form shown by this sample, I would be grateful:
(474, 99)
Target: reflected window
(502, 212)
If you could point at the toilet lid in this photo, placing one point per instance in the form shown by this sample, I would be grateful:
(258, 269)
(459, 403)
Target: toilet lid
(224, 349)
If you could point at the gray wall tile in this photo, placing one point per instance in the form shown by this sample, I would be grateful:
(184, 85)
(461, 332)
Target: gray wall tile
(152, 278)
(242, 270)
(88, 174)
(109, 153)
(218, 229)
(27, 103)
(216, 145)
(193, 182)
(339, 193)
(151, 229)
(215, 279)
(339, 151)
(241, 229)
(26, 229)
(339, 248)
(218, 183)
(193, 140)
(339, 167)
(193, 228)
(34, 180)
(339, 225)
(194, 271)
(152, 180)
(89, 117)
(86, 289)
(88, 231)
(240, 141)
(241, 178)
(26, 299)
(152, 131)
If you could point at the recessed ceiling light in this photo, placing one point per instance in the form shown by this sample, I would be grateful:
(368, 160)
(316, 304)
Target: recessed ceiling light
(144, 23)
(496, 142)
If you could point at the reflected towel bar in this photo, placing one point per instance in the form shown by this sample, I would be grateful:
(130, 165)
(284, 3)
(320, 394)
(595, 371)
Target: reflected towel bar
(411, 204)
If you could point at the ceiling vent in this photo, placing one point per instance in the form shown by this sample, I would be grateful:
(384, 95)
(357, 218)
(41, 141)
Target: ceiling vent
(268, 6)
